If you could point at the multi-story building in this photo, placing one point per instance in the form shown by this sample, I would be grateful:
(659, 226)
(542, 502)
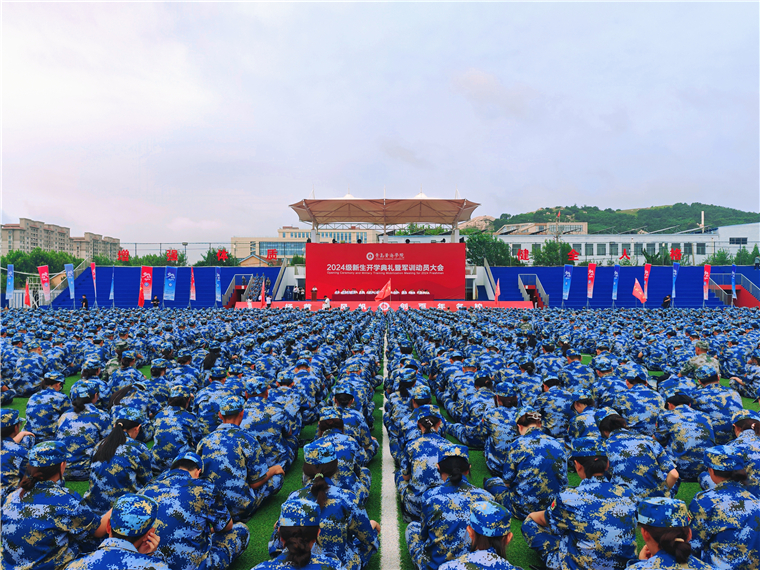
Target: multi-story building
(292, 240)
(28, 235)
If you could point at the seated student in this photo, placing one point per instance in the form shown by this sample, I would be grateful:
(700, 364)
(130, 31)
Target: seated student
(298, 529)
(14, 450)
(403, 292)
(195, 527)
(45, 407)
(489, 535)
(44, 523)
(131, 541)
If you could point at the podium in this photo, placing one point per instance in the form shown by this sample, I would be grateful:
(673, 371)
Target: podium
(313, 293)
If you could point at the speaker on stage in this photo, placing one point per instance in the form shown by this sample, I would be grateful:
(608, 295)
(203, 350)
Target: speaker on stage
(407, 240)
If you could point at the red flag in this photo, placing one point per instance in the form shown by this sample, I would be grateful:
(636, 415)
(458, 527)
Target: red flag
(192, 284)
(590, 280)
(647, 271)
(706, 282)
(263, 294)
(384, 292)
(27, 297)
(497, 293)
(45, 281)
(638, 292)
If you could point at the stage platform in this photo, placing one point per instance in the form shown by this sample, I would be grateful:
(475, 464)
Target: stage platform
(386, 305)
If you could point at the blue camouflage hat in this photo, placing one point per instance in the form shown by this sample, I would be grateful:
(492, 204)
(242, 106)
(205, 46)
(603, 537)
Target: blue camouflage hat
(631, 374)
(231, 405)
(704, 372)
(302, 362)
(133, 515)
(582, 394)
(299, 512)
(237, 369)
(470, 363)
(190, 456)
(454, 450)
(9, 417)
(420, 392)
(505, 390)
(330, 413)
(218, 372)
(489, 518)
(128, 413)
(180, 391)
(184, 353)
(47, 454)
(532, 413)
(572, 353)
(662, 512)
(256, 385)
(319, 452)
(602, 363)
(91, 364)
(343, 388)
(85, 389)
(158, 364)
(587, 447)
(603, 413)
(129, 355)
(32, 344)
(55, 376)
(745, 415)
(724, 458)
(285, 377)
(427, 411)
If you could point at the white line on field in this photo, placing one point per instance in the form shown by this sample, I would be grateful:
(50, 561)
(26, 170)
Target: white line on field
(389, 535)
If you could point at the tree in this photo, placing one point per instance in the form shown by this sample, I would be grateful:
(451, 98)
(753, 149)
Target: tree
(219, 257)
(720, 257)
(660, 258)
(28, 263)
(552, 254)
(744, 257)
(298, 260)
(487, 246)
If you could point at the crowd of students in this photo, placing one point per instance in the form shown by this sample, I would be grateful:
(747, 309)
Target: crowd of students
(230, 392)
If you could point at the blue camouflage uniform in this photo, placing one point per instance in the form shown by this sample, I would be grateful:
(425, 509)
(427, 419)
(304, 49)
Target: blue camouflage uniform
(30, 368)
(43, 410)
(269, 424)
(719, 402)
(13, 456)
(685, 434)
(176, 431)
(640, 406)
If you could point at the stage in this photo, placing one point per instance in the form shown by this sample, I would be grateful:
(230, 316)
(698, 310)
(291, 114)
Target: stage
(390, 305)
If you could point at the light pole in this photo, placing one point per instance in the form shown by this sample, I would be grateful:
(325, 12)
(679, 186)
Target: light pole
(184, 243)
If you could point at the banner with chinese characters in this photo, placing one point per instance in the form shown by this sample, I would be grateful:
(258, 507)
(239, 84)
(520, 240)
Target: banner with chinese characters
(94, 281)
(218, 284)
(647, 271)
(567, 278)
(590, 280)
(69, 268)
(45, 281)
(388, 305)
(615, 281)
(146, 282)
(438, 268)
(9, 283)
(733, 281)
(676, 267)
(170, 283)
(705, 282)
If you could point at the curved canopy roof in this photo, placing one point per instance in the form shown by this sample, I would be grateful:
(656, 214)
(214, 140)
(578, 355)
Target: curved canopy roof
(384, 212)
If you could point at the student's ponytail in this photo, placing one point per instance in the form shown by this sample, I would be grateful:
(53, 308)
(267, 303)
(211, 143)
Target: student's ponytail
(107, 448)
(297, 541)
(34, 475)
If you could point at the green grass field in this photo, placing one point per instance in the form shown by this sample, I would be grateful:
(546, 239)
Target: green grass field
(263, 522)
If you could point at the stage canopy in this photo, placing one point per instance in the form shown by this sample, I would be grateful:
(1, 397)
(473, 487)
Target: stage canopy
(384, 212)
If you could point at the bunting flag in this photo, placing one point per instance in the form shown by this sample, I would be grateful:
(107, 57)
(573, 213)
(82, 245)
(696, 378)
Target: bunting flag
(638, 292)
(94, 282)
(615, 281)
(9, 282)
(27, 296)
(706, 282)
(69, 268)
(384, 292)
(733, 281)
(218, 284)
(110, 294)
(497, 293)
(45, 282)
(591, 277)
(676, 267)
(566, 280)
(192, 284)
(170, 283)
(647, 271)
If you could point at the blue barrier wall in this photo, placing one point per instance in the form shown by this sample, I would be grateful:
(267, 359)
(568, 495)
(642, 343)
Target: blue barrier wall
(688, 285)
(127, 286)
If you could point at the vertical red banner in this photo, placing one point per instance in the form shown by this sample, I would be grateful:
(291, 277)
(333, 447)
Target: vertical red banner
(192, 284)
(45, 281)
(647, 271)
(94, 282)
(591, 277)
(706, 282)
(146, 282)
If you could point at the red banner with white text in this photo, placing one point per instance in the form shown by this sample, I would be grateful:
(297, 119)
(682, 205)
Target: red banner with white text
(386, 305)
(438, 268)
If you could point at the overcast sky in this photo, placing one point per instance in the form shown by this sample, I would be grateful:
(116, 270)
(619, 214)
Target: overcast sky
(194, 122)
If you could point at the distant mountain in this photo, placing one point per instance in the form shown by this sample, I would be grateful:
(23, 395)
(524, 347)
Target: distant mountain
(679, 217)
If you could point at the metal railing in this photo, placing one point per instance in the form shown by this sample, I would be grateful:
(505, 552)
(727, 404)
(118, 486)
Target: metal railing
(523, 290)
(237, 279)
(280, 275)
(489, 275)
(723, 296)
(741, 281)
(64, 284)
(532, 279)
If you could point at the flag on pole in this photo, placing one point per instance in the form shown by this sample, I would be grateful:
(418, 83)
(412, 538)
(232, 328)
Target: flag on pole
(94, 281)
(9, 282)
(497, 293)
(591, 275)
(69, 268)
(615, 281)
(706, 282)
(567, 278)
(733, 281)
(218, 284)
(192, 284)
(170, 283)
(27, 297)
(384, 292)
(263, 294)
(45, 281)
(647, 271)
(638, 292)
(676, 267)
(110, 295)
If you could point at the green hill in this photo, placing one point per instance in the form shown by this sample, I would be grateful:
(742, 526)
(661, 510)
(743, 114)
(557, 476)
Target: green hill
(682, 216)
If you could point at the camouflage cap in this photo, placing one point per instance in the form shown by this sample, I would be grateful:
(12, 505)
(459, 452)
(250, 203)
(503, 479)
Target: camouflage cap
(32, 344)
(133, 515)
(745, 415)
(47, 454)
(532, 413)
(427, 411)
(299, 512)
(285, 377)
(581, 394)
(158, 364)
(237, 369)
(602, 363)
(231, 405)
(256, 385)
(456, 451)
(302, 362)
(588, 447)
(189, 456)
(505, 390)
(180, 391)
(85, 389)
(704, 373)
(91, 364)
(702, 345)
(330, 413)
(55, 376)
(9, 417)
(489, 518)
(662, 512)
(724, 458)
(603, 413)
(470, 363)
(129, 355)
(319, 452)
(184, 353)
(572, 353)
(218, 372)
(128, 413)
(420, 392)
(343, 388)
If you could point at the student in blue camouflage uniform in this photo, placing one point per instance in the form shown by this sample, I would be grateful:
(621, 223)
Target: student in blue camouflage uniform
(138, 397)
(206, 402)
(591, 526)
(14, 450)
(445, 511)
(535, 469)
(176, 429)
(719, 402)
(81, 429)
(583, 423)
(11, 354)
(45, 407)
(726, 519)
(268, 423)
(125, 376)
(44, 523)
(30, 369)
(298, 529)
(121, 464)
(346, 531)
(747, 443)
(637, 461)
(132, 539)
(639, 405)
(354, 422)
(194, 525)
(748, 383)
(575, 374)
(685, 434)
(665, 529)
(555, 405)
(499, 427)
(235, 464)
(489, 536)
(419, 463)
